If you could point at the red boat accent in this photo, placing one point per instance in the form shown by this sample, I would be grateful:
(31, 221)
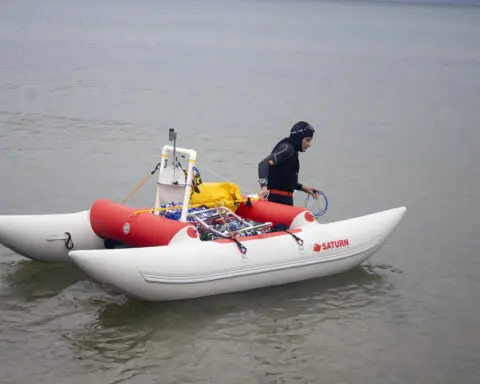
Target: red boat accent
(260, 236)
(264, 210)
(111, 220)
(192, 232)
(309, 217)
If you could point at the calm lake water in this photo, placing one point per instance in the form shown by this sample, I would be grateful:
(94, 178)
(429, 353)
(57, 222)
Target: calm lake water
(88, 91)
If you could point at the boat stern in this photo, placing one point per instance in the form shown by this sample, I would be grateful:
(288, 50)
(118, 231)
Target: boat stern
(48, 237)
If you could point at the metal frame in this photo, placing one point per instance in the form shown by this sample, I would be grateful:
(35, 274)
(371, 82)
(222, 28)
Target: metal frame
(217, 212)
(192, 157)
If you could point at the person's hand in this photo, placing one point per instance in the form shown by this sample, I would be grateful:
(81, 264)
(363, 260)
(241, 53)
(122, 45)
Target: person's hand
(311, 191)
(262, 195)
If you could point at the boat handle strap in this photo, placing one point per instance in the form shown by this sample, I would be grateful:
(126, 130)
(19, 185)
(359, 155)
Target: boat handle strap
(297, 239)
(241, 247)
(68, 240)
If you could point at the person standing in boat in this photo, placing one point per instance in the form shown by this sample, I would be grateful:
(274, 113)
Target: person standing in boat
(278, 172)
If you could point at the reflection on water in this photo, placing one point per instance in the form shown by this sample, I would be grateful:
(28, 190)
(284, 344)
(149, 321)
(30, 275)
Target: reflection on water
(356, 288)
(123, 329)
(31, 280)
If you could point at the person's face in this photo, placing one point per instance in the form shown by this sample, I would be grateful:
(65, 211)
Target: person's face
(306, 143)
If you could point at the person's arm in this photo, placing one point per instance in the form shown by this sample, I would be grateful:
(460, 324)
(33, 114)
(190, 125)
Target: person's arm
(309, 190)
(283, 152)
(263, 170)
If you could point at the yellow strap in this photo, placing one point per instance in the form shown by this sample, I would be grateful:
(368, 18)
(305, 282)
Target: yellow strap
(225, 223)
(213, 204)
(136, 188)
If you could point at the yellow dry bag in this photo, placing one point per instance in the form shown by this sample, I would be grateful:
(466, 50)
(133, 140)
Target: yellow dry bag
(217, 194)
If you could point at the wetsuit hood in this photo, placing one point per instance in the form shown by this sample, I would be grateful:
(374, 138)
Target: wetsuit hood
(298, 132)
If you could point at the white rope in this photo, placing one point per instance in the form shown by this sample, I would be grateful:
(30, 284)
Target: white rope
(226, 179)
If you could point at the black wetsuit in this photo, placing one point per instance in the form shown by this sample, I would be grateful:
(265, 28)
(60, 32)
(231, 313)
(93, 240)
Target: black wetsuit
(279, 172)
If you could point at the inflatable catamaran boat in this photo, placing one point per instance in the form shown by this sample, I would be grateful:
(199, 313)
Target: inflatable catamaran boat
(199, 239)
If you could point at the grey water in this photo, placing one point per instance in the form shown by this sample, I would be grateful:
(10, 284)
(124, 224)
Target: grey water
(88, 90)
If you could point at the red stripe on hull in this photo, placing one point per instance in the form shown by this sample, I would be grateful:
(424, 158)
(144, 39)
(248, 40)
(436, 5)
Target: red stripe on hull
(261, 236)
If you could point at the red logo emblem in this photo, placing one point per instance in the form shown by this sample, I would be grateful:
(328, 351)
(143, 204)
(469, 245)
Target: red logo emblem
(192, 232)
(309, 217)
(317, 247)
